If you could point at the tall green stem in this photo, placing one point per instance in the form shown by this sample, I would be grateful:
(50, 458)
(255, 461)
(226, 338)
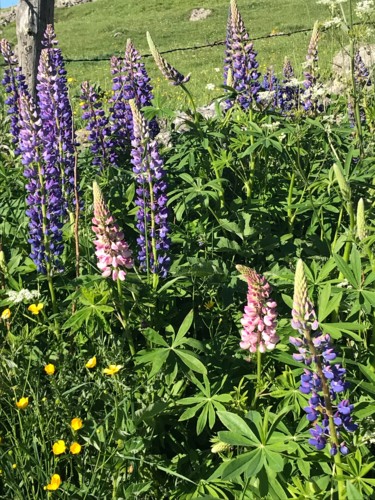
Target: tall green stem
(290, 199)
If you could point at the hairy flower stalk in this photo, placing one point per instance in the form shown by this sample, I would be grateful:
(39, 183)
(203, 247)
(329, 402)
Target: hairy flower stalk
(240, 59)
(309, 99)
(173, 76)
(361, 80)
(57, 132)
(14, 83)
(113, 253)
(323, 380)
(152, 215)
(259, 319)
(130, 81)
(102, 145)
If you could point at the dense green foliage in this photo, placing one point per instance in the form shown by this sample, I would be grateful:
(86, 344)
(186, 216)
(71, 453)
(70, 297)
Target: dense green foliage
(190, 414)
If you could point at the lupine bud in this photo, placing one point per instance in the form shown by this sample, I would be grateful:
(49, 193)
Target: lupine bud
(289, 94)
(361, 221)
(112, 251)
(259, 319)
(169, 72)
(343, 185)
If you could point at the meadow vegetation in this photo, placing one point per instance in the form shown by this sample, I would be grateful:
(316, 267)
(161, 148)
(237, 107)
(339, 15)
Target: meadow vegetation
(187, 310)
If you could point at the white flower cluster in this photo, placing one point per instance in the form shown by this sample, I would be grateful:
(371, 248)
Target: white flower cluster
(331, 3)
(364, 8)
(334, 22)
(23, 294)
(270, 126)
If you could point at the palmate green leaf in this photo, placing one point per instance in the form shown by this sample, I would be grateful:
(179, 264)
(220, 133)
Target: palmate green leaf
(184, 328)
(154, 337)
(79, 317)
(352, 491)
(236, 424)
(249, 463)
(202, 420)
(345, 269)
(190, 412)
(337, 329)
(191, 360)
(326, 303)
(274, 460)
(237, 439)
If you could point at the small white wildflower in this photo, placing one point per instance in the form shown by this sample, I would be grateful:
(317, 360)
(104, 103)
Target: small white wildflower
(210, 86)
(23, 294)
(336, 21)
(270, 126)
(282, 137)
(364, 8)
(217, 70)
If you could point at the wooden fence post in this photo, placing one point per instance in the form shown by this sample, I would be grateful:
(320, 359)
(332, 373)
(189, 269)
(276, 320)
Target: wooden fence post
(31, 21)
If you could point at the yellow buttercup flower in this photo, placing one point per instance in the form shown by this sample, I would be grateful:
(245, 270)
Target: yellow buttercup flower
(59, 447)
(54, 483)
(14, 466)
(35, 308)
(22, 403)
(50, 369)
(70, 80)
(75, 448)
(112, 369)
(91, 363)
(6, 314)
(76, 424)
(209, 305)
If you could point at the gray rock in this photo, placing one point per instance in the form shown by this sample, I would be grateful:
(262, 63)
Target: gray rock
(199, 14)
(341, 61)
(69, 3)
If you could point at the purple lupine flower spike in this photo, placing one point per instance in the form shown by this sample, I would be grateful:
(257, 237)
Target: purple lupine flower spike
(323, 380)
(243, 64)
(271, 89)
(14, 83)
(361, 72)
(130, 81)
(289, 90)
(152, 215)
(173, 76)
(44, 192)
(259, 319)
(56, 114)
(311, 73)
(113, 253)
(98, 124)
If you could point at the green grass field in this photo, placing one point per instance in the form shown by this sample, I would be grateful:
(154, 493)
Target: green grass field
(100, 29)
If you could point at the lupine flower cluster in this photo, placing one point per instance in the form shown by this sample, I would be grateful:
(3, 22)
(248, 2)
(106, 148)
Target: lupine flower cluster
(44, 199)
(113, 253)
(173, 76)
(323, 380)
(290, 90)
(309, 100)
(56, 114)
(152, 215)
(46, 143)
(100, 136)
(271, 90)
(362, 80)
(240, 60)
(14, 83)
(130, 81)
(260, 316)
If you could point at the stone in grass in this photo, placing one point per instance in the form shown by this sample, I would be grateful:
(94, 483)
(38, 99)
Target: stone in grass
(341, 61)
(199, 14)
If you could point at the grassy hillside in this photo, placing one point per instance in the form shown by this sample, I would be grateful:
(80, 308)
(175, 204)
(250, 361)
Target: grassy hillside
(100, 29)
